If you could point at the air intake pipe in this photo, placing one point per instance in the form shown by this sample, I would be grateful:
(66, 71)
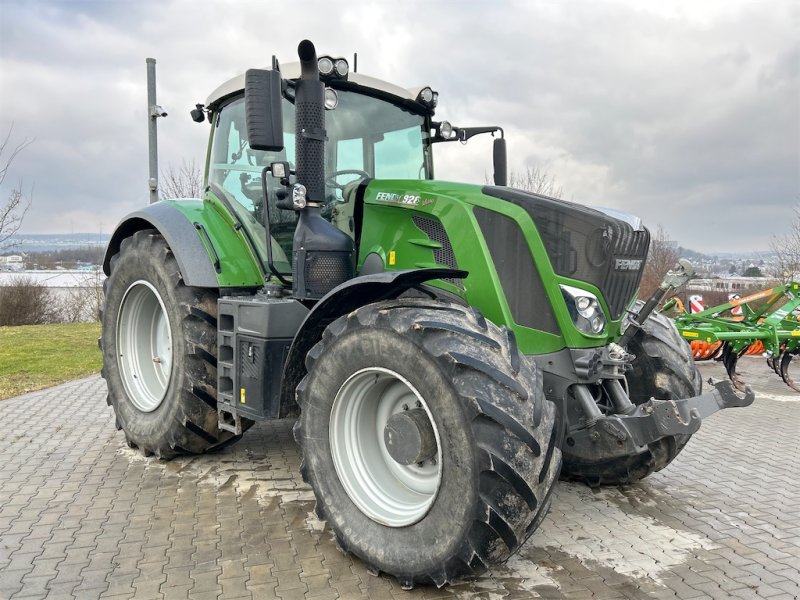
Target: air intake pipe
(310, 124)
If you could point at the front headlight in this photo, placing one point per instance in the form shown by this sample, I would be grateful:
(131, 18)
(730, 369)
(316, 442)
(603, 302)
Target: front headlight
(585, 310)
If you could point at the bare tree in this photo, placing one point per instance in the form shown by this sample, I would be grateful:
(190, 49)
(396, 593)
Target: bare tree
(535, 180)
(787, 250)
(81, 303)
(662, 257)
(532, 179)
(18, 203)
(185, 181)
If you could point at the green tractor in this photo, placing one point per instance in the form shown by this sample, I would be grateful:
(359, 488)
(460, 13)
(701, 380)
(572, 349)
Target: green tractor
(447, 349)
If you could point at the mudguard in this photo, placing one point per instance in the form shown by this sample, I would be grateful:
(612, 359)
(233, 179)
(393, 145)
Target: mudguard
(210, 251)
(347, 297)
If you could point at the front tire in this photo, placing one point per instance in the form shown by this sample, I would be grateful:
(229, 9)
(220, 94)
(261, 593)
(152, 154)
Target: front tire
(159, 351)
(663, 369)
(483, 491)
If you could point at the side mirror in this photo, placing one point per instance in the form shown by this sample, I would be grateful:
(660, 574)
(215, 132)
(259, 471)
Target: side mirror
(499, 160)
(262, 108)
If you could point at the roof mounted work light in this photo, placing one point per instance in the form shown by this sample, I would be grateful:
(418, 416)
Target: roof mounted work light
(325, 65)
(333, 67)
(428, 97)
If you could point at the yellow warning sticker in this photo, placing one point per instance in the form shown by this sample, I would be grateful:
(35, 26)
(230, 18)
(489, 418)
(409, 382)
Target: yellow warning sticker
(392, 257)
(692, 334)
(241, 395)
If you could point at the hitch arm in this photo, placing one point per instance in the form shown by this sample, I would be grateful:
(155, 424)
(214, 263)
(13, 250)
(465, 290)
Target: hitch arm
(678, 276)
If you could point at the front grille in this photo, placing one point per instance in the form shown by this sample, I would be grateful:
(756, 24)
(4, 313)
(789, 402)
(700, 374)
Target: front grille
(586, 244)
(619, 286)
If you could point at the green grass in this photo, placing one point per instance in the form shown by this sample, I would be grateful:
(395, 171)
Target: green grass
(33, 357)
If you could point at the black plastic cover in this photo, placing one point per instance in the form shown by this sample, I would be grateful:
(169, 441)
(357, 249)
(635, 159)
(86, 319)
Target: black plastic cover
(323, 256)
(263, 112)
(500, 162)
(522, 284)
(586, 244)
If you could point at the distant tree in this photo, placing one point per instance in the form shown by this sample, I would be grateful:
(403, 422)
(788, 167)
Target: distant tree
(68, 259)
(185, 181)
(752, 272)
(535, 180)
(662, 257)
(17, 204)
(787, 250)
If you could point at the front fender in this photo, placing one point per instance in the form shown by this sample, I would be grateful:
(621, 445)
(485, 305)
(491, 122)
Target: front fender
(347, 297)
(210, 251)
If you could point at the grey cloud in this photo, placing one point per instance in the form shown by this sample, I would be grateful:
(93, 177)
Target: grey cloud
(683, 116)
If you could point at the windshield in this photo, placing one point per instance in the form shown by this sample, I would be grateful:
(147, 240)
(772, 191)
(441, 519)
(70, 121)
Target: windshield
(365, 134)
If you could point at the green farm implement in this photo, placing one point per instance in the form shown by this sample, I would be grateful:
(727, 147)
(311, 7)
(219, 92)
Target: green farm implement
(770, 328)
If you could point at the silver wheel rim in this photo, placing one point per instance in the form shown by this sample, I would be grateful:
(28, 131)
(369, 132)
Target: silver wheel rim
(144, 345)
(386, 491)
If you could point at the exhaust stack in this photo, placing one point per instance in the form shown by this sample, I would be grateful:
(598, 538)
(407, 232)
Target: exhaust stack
(310, 124)
(323, 256)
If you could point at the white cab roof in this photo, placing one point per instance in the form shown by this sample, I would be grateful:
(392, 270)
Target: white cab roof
(292, 71)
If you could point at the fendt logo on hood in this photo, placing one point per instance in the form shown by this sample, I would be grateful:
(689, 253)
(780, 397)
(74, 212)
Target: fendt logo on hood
(628, 264)
(410, 199)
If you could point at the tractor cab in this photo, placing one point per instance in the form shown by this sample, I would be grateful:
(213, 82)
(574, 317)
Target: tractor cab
(373, 130)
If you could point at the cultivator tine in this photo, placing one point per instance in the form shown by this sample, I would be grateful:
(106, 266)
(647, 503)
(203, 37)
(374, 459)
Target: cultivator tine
(786, 359)
(729, 359)
(774, 363)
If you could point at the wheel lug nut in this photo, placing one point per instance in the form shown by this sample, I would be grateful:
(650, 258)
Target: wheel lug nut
(405, 406)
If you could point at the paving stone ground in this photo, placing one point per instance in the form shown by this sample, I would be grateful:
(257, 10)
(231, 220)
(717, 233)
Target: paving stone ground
(83, 516)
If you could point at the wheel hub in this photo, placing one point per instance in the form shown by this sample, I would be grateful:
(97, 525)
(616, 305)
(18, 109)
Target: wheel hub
(409, 437)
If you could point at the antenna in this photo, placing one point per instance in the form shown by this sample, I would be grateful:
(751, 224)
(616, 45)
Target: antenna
(355, 62)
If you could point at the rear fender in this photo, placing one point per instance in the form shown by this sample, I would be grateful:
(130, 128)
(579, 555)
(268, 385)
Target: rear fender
(210, 252)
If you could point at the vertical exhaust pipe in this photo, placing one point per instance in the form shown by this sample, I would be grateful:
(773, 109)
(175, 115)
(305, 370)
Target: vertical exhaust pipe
(310, 124)
(323, 256)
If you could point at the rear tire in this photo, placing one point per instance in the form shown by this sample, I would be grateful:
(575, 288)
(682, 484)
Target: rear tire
(496, 454)
(159, 345)
(663, 369)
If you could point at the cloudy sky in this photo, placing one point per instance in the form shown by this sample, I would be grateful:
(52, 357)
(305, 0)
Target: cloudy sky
(684, 112)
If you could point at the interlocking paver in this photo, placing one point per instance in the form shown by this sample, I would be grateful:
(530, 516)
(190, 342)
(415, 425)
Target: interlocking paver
(82, 515)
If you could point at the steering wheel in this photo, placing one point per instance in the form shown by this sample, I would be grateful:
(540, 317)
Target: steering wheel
(330, 180)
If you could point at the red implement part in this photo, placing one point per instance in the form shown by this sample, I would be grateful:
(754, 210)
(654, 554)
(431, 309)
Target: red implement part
(703, 350)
